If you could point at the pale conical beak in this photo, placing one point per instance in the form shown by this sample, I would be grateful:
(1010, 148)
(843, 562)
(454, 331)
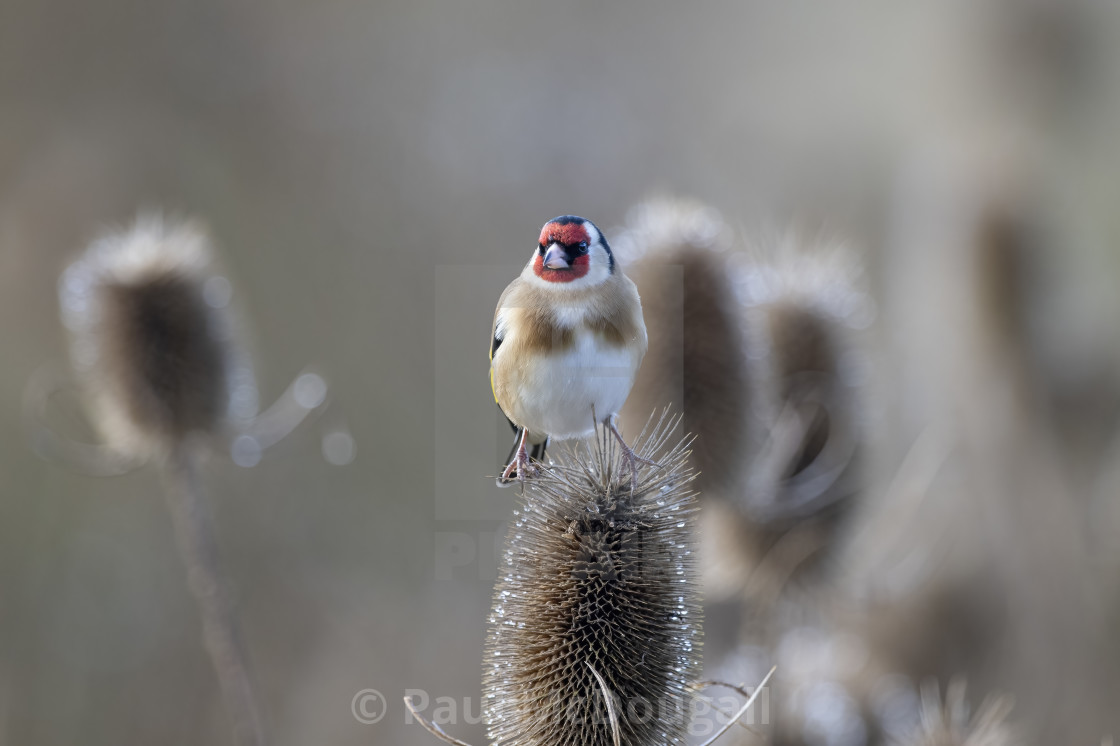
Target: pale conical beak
(554, 258)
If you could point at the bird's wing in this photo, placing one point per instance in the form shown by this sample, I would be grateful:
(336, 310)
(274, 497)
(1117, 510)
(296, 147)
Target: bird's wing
(497, 331)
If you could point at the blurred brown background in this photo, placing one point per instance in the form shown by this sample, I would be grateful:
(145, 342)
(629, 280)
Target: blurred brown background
(365, 167)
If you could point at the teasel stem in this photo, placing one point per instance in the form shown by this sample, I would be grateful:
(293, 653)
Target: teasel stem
(432, 728)
(742, 710)
(194, 534)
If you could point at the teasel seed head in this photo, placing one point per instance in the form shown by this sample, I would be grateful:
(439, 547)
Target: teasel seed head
(597, 581)
(805, 310)
(761, 347)
(151, 340)
(677, 254)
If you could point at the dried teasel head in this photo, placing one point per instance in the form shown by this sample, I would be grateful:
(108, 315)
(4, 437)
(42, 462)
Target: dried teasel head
(805, 310)
(677, 254)
(761, 346)
(150, 338)
(598, 582)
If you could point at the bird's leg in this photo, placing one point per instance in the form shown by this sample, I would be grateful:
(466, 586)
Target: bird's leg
(631, 458)
(520, 464)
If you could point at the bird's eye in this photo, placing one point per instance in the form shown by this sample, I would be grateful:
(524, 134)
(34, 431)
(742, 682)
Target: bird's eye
(583, 247)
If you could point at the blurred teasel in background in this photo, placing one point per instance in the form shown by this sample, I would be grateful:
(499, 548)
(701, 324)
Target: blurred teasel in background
(676, 251)
(760, 344)
(806, 312)
(153, 341)
(165, 379)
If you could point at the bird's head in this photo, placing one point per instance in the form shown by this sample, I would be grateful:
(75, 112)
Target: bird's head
(571, 252)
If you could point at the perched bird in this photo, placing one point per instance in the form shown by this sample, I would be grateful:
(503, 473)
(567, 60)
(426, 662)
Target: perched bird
(568, 338)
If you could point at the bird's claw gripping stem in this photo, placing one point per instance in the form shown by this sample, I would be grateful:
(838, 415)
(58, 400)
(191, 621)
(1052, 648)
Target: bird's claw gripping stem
(521, 466)
(631, 458)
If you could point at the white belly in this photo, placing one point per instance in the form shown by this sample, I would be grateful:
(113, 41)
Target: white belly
(557, 393)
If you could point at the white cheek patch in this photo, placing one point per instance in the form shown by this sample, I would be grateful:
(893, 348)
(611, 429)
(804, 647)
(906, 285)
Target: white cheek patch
(600, 264)
(593, 234)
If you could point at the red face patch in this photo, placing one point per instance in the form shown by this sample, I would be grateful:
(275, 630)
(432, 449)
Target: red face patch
(579, 268)
(569, 235)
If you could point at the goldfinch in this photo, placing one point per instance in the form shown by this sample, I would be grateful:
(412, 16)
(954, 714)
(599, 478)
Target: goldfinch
(568, 338)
